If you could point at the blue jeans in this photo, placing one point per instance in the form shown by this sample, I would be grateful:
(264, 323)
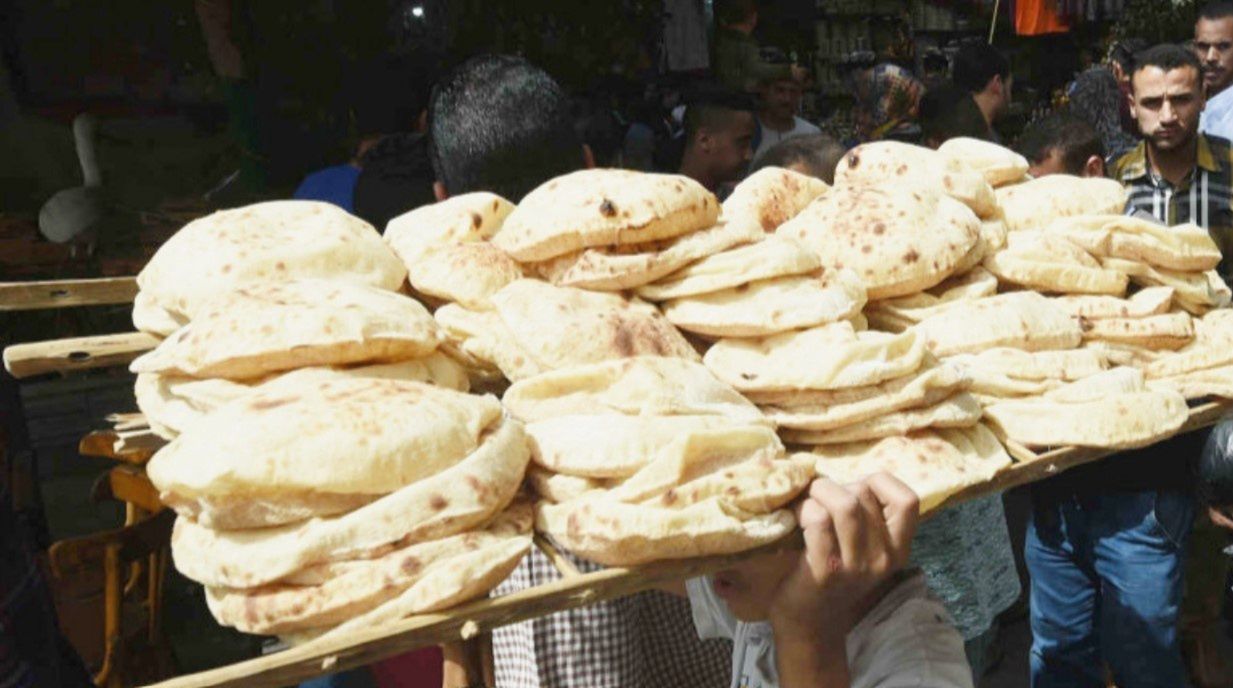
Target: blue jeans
(1106, 569)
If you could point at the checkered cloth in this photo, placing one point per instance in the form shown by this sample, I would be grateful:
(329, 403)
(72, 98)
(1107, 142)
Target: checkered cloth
(642, 641)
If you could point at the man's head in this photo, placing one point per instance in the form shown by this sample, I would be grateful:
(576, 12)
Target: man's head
(500, 124)
(1213, 45)
(948, 111)
(1167, 96)
(985, 73)
(1122, 58)
(1063, 144)
(816, 155)
(737, 14)
(719, 131)
(780, 98)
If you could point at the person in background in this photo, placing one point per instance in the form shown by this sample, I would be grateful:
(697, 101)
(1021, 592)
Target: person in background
(817, 156)
(844, 612)
(387, 95)
(1213, 45)
(738, 58)
(1096, 98)
(985, 73)
(779, 99)
(887, 103)
(500, 124)
(935, 68)
(719, 132)
(1062, 144)
(948, 111)
(396, 176)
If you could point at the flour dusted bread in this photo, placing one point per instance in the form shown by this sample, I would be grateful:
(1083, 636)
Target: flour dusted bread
(897, 164)
(898, 239)
(772, 257)
(770, 306)
(270, 327)
(273, 241)
(997, 164)
(604, 207)
(770, 197)
(1020, 320)
(1036, 203)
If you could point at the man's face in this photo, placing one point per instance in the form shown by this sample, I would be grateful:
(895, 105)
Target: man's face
(730, 146)
(1213, 45)
(781, 99)
(1167, 105)
(749, 588)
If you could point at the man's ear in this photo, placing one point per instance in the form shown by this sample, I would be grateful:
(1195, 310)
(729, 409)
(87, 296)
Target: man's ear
(438, 190)
(588, 157)
(1094, 167)
(995, 85)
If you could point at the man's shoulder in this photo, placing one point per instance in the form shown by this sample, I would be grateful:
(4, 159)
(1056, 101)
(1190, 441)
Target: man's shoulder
(1129, 165)
(804, 126)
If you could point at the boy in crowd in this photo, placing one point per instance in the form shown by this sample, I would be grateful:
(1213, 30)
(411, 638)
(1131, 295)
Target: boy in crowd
(1063, 144)
(842, 612)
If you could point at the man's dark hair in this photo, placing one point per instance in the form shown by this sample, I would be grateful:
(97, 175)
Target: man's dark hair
(710, 107)
(730, 12)
(976, 63)
(500, 124)
(818, 153)
(1123, 53)
(948, 111)
(1167, 57)
(1216, 10)
(1074, 138)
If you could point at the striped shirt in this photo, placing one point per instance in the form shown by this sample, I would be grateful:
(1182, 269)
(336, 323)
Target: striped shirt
(1204, 197)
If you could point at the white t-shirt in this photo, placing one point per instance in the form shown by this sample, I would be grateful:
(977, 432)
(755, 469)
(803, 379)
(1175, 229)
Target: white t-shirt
(770, 136)
(907, 640)
(1217, 117)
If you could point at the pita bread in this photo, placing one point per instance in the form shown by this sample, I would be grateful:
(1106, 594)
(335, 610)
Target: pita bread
(1036, 203)
(1106, 383)
(1121, 421)
(767, 307)
(1141, 304)
(268, 452)
(459, 498)
(898, 314)
(1021, 320)
(611, 445)
(895, 164)
(173, 404)
(270, 327)
(633, 265)
(1212, 348)
(1125, 354)
(934, 463)
(467, 218)
(990, 386)
(275, 241)
(536, 327)
(1186, 247)
(435, 574)
(958, 411)
(1048, 263)
(822, 358)
(770, 197)
(465, 273)
(604, 207)
(645, 386)
(558, 487)
(773, 257)
(1167, 331)
(1196, 292)
(820, 411)
(997, 164)
(1069, 365)
(994, 234)
(898, 240)
(151, 318)
(1210, 382)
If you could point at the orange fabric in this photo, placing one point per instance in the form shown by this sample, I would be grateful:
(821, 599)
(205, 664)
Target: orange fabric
(1039, 17)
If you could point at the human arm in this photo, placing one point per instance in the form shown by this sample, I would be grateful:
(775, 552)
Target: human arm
(856, 537)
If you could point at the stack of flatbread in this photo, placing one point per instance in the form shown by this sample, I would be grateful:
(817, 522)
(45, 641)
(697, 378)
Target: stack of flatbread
(1036, 203)
(274, 241)
(757, 290)
(249, 337)
(1203, 367)
(1112, 409)
(834, 384)
(320, 504)
(903, 165)
(610, 230)
(653, 458)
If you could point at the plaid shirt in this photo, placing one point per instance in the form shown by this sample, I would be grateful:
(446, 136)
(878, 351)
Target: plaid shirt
(1204, 197)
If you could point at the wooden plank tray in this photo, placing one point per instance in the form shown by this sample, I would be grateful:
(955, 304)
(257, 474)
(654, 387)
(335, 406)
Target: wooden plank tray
(25, 296)
(577, 589)
(78, 353)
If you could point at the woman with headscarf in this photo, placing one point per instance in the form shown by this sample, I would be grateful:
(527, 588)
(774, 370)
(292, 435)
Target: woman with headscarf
(1096, 97)
(887, 100)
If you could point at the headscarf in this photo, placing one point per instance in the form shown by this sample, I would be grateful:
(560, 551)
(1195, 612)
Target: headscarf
(887, 99)
(1096, 98)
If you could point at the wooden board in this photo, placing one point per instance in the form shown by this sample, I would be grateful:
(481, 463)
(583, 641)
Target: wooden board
(80, 353)
(24, 296)
(577, 589)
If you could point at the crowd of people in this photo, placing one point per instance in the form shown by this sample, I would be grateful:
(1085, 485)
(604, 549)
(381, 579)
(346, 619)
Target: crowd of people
(1125, 571)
